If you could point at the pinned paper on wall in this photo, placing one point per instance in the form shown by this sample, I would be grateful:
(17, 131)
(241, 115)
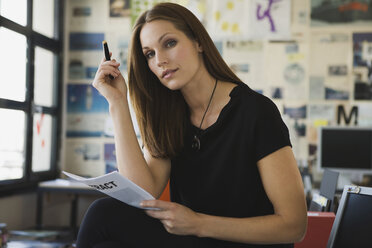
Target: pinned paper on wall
(319, 115)
(295, 112)
(367, 50)
(320, 123)
(228, 18)
(270, 19)
(294, 116)
(84, 156)
(197, 7)
(287, 63)
(362, 66)
(300, 19)
(87, 15)
(42, 142)
(332, 70)
(83, 41)
(365, 114)
(333, 12)
(246, 59)
(87, 111)
(322, 112)
(316, 88)
(83, 64)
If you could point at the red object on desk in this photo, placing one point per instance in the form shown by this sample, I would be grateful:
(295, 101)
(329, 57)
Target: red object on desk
(319, 227)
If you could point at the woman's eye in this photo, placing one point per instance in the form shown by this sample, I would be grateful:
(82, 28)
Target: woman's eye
(170, 43)
(149, 55)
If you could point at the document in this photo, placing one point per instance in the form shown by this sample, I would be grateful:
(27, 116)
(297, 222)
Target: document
(117, 186)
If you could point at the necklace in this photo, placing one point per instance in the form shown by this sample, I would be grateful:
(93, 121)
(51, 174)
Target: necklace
(196, 140)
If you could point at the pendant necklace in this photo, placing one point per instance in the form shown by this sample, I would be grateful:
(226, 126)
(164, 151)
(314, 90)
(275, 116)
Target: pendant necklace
(196, 140)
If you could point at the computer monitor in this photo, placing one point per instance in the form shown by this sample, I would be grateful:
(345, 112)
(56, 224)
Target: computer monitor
(353, 223)
(345, 149)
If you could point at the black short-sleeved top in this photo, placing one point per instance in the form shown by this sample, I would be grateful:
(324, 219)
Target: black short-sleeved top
(222, 178)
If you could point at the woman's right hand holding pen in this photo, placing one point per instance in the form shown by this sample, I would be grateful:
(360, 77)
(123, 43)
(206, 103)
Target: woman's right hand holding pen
(114, 88)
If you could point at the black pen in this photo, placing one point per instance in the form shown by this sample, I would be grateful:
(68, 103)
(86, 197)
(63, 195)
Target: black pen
(107, 54)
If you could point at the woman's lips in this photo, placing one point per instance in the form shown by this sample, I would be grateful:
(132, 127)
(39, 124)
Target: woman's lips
(168, 73)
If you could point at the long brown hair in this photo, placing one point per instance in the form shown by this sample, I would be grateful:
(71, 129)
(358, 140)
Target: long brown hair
(163, 114)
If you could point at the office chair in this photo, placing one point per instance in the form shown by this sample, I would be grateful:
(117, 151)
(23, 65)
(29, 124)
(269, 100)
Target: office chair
(353, 223)
(324, 201)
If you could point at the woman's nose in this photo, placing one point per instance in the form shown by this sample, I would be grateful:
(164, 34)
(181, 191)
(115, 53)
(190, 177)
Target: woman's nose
(161, 59)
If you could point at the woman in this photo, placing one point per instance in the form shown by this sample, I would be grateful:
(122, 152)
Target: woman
(233, 177)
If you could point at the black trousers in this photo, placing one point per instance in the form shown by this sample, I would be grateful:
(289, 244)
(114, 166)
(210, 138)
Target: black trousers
(110, 223)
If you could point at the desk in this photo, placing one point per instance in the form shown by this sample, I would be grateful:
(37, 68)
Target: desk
(62, 186)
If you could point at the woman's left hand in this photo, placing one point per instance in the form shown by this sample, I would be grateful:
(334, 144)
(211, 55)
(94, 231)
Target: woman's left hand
(176, 218)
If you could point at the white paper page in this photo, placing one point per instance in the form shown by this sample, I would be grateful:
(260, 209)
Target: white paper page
(116, 186)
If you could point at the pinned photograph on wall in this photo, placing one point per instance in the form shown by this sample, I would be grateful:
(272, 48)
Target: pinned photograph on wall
(119, 8)
(337, 87)
(84, 157)
(82, 11)
(261, 91)
(89, 151)
(362, 62)
(297, 129)
(239, 68)
(86, 41)
(322, 112)
(87, 111)
(86, 15)
(291, 48)
(77, 70)
(316, 88)
(336, 94)
(300, 128)
(110, 157)
(330, 12)
(295, 112)
(367, 50)
(83, 64)
(337, 70)
(276, 93)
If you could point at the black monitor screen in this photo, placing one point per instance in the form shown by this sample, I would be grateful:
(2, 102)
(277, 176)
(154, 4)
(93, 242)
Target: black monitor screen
(355, 227)
(346, 148)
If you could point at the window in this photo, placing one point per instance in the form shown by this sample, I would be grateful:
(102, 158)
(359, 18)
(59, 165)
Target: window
(30, 91)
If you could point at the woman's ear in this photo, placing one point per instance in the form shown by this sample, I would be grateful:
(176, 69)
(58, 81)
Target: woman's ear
(199, 47)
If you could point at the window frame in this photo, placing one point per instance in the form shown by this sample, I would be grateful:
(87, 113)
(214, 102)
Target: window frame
(30, 179)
